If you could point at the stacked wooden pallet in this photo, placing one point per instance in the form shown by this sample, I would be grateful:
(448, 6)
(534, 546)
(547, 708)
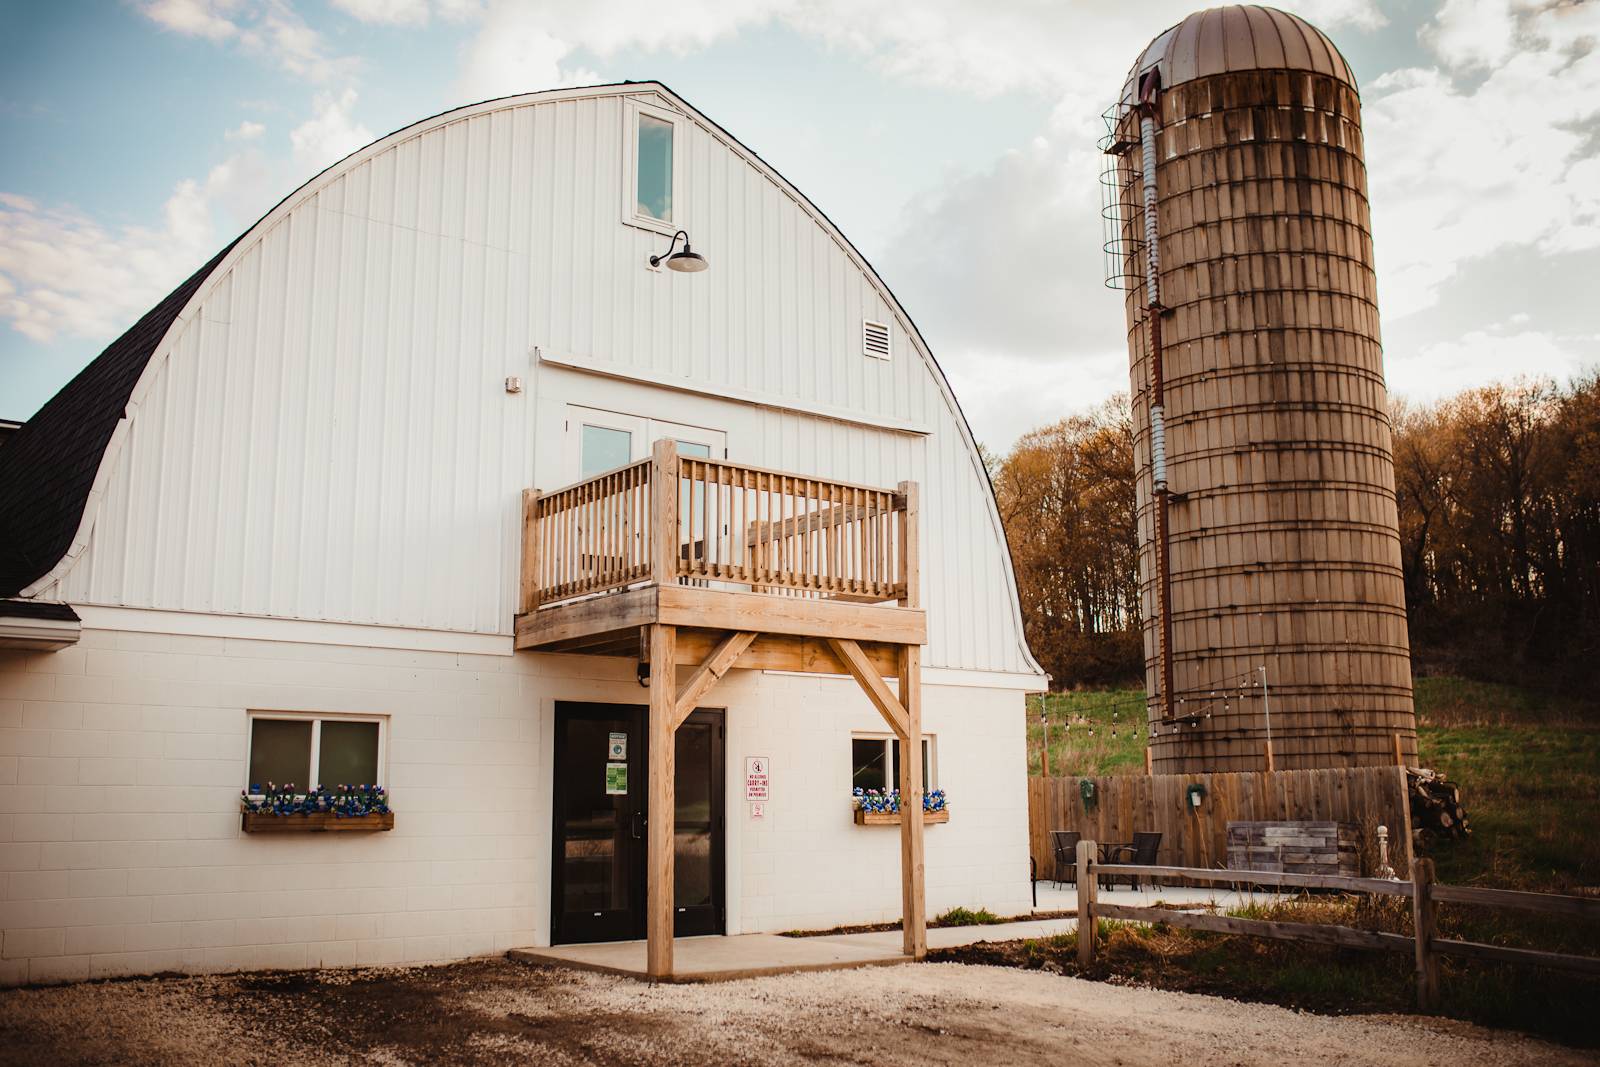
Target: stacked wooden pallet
(1295, 847)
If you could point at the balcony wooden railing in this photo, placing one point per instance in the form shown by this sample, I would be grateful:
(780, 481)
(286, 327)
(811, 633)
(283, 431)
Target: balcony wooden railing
(721, 525)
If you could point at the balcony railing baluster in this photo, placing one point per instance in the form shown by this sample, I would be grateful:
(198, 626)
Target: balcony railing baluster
(725, 523)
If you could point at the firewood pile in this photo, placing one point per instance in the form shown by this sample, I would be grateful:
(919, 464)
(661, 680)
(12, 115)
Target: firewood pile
(1436, 804)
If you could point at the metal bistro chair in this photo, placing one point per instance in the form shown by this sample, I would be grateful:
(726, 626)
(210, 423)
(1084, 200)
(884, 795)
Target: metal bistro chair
(1141, 853)
(1065, 844)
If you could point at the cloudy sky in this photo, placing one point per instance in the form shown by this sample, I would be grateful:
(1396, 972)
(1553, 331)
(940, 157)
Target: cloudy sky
(952, 140)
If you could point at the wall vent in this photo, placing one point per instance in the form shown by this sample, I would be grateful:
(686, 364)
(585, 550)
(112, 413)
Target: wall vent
(874, 339)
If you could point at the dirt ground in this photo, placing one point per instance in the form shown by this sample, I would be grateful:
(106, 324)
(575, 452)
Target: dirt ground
(497, 1011)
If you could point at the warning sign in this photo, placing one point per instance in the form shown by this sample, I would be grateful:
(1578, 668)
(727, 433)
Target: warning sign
(618, 747)
(757, 778)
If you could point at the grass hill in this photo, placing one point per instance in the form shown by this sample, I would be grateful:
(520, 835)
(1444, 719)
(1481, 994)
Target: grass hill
(1527, 760)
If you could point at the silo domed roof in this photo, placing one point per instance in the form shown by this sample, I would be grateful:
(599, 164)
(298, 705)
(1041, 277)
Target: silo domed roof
(1221, 40)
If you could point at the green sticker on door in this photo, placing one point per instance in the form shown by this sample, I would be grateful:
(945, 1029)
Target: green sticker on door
(616, 779)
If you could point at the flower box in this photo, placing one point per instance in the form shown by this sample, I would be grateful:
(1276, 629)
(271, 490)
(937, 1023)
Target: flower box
(257, 822)
(892, 818)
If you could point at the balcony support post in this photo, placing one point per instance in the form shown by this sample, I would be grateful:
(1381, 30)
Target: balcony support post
(913, 896)
(903, 713)
(661, 807)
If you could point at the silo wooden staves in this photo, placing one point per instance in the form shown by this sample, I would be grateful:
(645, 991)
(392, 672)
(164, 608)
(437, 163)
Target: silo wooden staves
(1272, 539)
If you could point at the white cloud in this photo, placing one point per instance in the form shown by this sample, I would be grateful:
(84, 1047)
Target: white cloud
(512, 55)
(1472, 33)
(1480, 357)
(65, 274)
(329, 135)
(1080, 50)
(1009, 257)
(270, 28)
(386, 12)
(194, 18)
(524, 46)
(409, 12)
(1495, 147)
(246, 131)
(1003, 397)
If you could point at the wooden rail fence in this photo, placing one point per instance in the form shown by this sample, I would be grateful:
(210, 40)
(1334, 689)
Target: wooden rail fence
(768, 531)
(1423, 942)
(1198, 836)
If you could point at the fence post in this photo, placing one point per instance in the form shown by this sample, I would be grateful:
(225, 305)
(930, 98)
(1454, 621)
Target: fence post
(1086, 880)
(1424, 926)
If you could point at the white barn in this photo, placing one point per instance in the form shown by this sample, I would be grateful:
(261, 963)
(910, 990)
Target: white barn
(279, 530)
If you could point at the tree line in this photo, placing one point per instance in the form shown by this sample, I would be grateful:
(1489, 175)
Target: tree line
(1498, 491)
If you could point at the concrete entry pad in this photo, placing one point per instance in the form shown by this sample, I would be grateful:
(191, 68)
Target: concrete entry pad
(720, 959)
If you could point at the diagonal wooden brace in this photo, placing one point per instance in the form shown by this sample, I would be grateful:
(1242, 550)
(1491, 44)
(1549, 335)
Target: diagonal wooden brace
(709, 673)
(866, 675)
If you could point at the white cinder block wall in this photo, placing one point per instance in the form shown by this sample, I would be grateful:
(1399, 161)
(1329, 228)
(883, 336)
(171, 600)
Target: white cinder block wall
(121, 761)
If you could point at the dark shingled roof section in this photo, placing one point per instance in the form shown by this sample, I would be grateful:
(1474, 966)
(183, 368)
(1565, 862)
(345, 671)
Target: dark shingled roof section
(37, 609)
(48, 466)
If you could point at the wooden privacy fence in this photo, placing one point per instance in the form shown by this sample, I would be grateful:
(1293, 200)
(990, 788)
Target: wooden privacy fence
(768, 531)
(1198, 836)
(1423, 942)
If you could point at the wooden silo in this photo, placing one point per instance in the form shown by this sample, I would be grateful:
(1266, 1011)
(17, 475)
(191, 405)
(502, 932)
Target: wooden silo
(1271, 540)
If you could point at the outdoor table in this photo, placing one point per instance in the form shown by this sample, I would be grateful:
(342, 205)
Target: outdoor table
(1109, 850)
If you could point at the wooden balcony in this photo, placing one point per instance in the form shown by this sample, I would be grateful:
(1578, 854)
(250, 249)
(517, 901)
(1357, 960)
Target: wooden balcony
(678, 561)
(728, 547)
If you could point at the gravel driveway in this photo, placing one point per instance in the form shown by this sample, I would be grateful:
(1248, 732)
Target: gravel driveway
(496, 1011)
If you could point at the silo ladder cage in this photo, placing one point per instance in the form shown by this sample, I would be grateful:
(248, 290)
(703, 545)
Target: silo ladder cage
(1123, 249)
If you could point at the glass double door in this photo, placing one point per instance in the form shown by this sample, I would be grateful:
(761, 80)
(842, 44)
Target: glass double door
(601, 814)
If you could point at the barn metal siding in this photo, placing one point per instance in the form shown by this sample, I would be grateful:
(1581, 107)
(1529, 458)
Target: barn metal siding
(326, 436)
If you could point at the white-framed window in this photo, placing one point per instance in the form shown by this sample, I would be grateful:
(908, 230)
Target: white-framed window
(312, 750)
(653, 171)
(875, 761)
(600, 440)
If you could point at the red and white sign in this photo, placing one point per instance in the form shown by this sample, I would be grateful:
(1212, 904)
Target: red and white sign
(757, 778)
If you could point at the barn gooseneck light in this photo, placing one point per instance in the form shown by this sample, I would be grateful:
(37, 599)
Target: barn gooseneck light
(688, 261)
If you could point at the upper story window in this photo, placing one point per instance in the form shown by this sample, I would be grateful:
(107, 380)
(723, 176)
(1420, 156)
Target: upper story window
(652, 182)
(653, 169)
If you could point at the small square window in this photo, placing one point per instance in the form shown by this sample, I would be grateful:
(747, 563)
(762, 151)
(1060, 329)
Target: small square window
(310, 752)
(869, 763)
(280, 751)
(349, 754)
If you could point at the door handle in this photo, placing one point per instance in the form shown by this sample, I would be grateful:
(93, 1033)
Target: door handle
(637, 826)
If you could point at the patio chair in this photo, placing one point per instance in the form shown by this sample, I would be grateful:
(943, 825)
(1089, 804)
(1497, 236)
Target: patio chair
(1065, 843)
(1141, 853)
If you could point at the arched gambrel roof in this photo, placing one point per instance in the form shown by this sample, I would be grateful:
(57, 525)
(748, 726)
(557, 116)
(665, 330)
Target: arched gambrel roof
(52, 470)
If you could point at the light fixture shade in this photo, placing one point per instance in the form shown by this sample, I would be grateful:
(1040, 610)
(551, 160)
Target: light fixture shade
(688, 262)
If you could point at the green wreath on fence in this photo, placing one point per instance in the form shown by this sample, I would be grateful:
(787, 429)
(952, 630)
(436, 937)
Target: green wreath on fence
(1086, 791)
